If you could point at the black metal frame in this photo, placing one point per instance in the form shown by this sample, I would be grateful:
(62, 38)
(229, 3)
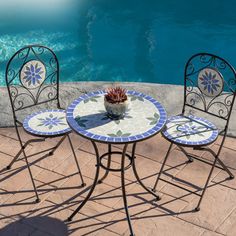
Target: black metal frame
(22, 97)
(196, 100)
(108, 169)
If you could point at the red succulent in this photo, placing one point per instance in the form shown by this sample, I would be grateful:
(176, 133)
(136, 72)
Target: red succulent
(116, 95)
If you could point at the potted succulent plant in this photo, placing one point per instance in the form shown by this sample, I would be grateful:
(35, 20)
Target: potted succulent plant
(116, 102)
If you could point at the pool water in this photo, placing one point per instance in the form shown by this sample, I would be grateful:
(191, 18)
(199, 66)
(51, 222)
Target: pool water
(120, 40)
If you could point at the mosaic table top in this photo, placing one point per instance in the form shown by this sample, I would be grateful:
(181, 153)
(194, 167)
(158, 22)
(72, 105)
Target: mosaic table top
(190, 130)
(145, 117)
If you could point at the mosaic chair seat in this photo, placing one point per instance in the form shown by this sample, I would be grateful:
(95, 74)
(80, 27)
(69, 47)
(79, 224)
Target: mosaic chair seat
(209, 89)
(32, 78)
(47, 123)
(190, 130)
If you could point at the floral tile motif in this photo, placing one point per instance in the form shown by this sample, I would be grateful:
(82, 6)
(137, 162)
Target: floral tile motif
(190, 130)
(47, 123)
(32, 74)
(52, 120)
(154, 119)
(119, 133)
(210, 82)
(145, 117)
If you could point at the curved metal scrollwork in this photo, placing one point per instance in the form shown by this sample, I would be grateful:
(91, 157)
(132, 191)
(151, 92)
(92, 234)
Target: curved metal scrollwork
(39, 50)
(190, 69)
(23, 54)
(205, 59)
(223, 105)
(220, 104)
(21, 99)
(50, 90)
(23, 96)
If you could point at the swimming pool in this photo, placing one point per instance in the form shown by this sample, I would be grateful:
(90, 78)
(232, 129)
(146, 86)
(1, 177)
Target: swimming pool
(120, 40)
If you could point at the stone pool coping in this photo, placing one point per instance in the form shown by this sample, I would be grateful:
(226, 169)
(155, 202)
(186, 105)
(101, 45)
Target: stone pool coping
(170, 96)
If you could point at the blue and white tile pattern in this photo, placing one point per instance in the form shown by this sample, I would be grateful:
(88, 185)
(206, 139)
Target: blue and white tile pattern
(47, 123)
(144, 118)
(190, 130)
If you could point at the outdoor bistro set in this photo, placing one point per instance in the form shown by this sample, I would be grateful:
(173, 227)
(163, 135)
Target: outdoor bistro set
(32, 78)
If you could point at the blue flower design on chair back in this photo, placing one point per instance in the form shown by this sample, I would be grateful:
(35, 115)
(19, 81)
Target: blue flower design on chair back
(33, 74)
(210, 82)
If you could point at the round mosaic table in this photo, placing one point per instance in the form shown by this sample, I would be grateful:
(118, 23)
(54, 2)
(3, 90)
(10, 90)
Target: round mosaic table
(144, 118)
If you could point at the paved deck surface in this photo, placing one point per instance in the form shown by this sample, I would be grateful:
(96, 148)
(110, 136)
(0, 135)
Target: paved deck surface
(60, 193)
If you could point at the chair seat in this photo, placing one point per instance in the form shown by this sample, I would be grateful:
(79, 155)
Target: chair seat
(190, 131)
(47, 123)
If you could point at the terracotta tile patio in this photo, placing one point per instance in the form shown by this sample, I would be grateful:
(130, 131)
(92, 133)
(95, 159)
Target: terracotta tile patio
(60, 193)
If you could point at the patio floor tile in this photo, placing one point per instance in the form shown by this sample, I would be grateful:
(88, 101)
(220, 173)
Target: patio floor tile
(216, 206)
(156, 222)
(60, 190)
(228, 227)
(210, 233)
(23, 201)
(194, 175)
(16, 178)
(223, 179)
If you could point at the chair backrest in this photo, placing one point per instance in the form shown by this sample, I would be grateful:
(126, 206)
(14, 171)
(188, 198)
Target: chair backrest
(32, 77)
(210, 85)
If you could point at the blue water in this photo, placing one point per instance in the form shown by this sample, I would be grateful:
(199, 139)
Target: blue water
(120, 40)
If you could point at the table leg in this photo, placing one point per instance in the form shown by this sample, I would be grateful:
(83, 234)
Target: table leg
(137, 176)
(122, 169)
(108, 164)
(123, 189)
(93, 185)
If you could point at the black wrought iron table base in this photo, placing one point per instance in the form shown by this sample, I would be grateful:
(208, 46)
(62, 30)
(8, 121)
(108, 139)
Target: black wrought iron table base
(122, 169)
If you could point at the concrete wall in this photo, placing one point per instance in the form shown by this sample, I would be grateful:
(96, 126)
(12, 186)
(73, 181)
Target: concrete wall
(170, 96)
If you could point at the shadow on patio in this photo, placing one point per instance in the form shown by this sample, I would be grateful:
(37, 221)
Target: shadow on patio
(103, 215)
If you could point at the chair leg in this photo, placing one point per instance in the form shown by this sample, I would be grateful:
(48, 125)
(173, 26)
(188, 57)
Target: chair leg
(231, 176)
(58, 144)
(22, 148)
(26, 159)
(190, 159)
(206, 184)
(216, 156)
(15, 158)
(31, 176)
(76, 161)
(162, 167)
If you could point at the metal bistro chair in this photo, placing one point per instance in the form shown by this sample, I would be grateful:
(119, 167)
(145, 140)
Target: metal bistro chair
(210, 87)
(32, 78)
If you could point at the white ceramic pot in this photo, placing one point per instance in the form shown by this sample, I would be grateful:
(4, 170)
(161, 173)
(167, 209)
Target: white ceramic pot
(116, 110)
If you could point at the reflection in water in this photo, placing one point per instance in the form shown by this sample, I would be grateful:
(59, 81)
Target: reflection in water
(122, 40)
(9, 43)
